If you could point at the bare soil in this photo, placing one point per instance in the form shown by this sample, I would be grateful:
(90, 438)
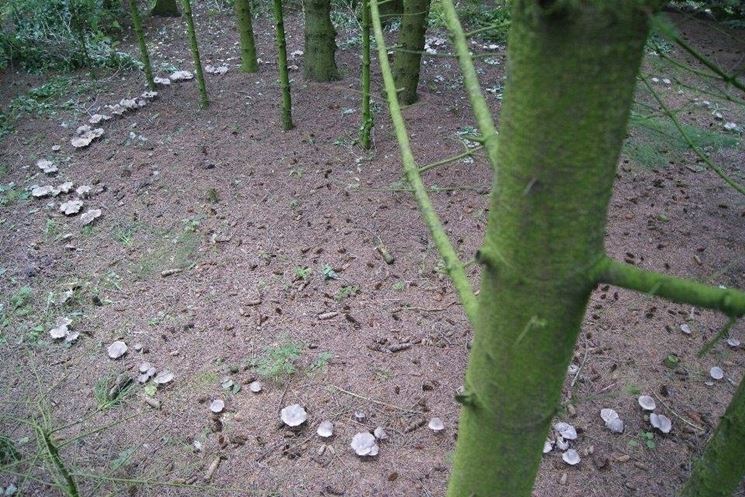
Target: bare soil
(236, 206)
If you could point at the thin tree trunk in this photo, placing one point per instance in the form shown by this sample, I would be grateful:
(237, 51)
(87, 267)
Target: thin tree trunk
(367, 117)
(407, 62)
(721, 467)
(320, 42)
(137, 26)
(245, 28)
(284, 78)
(571, 76)
(390, 10)
(165, 8)
(203, 100)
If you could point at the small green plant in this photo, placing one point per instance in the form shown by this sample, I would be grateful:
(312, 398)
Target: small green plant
(278, 362)
(399, 286)
(10, 194)
(646, 437)
(320, 363)
(110, 393)
(346, 291)
(124, 234)
(20, 301)
(212, 196)
(633, 389)
(302, 272)
(51, 229)
(8, 452)
(329, 273)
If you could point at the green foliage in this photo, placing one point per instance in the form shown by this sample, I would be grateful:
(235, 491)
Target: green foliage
(494, 20)
(345, 292)
(329, 273)
(8, 452)
(302, 272)
(106, 397)
(20, 301)
(646, 437)
(278, 362)
(10, 194)
(48, 34)
(654, 140)
(320, 362)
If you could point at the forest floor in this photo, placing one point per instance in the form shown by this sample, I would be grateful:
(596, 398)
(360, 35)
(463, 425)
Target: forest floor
(230, 251)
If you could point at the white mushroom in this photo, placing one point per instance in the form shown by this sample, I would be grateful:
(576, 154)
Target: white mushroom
(150, 95)
(293, 415)
(65, 187)
(615, 425)
(325, 429)
(71, 207)
(561, 444)
(255, 386)
(144, 367)
(163, 377)
(436, 424)
(117, 349)
(364, 444)
(571, 457)
(647, 403)
(47, 166)
(566, 430)
(685, 328)
(548, 445)
(97, 118)
(83, 191)
(89, 216)
(43, 191)
(380, 433)
(359, 416)
(219, 70)
(181, 76)
(733, 342)
(716, 372)
(217, 406)
(661, 422)
(60, 329)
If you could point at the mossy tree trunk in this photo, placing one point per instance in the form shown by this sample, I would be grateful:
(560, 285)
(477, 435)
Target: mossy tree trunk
(165, 8)
(721, 467)
(320, 42)
(284, 77)
(367, 117)
(571, 74)
(137, 26)
(245, 28)
(408, 58)
(391, 10)
(192, 33)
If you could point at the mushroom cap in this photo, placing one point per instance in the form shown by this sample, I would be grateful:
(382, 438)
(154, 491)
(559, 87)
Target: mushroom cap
(561, 444)
(436, 424)
(733, 342)
(144, 367)
(608, 414)
(217, 406)
(615, 425)
(164, 377)
(571, 457)
(325, 429)
(685, 328)
(71, 207)
(661, 422)
(89, 216)
(293, 415)
(255, 386)
(647, 403)
(60, 329)
(380, 433)
(566, 430)
(364, 444)
(716, 372)
(548, 445)
(117, 349)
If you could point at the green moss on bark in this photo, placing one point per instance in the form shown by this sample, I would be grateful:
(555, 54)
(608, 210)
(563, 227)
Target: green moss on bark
(145, 56)
(570, 81)
(245, 29)
(284, 78)
(320, 42)
(407, 62)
